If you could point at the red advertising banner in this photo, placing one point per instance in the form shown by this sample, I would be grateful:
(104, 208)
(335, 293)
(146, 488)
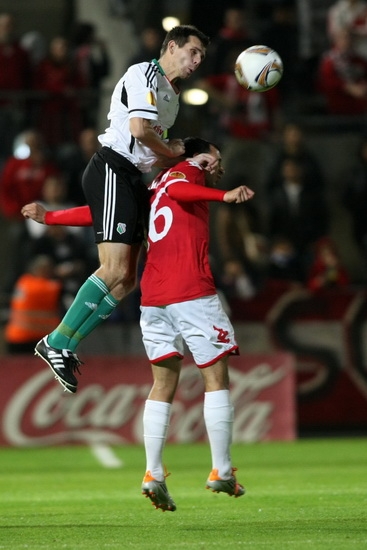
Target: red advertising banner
(108, 407)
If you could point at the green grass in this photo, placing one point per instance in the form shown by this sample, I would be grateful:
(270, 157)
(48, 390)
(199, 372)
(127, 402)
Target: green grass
(309, 494)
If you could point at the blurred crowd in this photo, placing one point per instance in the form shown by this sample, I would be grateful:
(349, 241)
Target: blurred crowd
(50, 95)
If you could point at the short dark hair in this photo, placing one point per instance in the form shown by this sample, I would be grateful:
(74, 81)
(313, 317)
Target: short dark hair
(196, 145)
(181, 35)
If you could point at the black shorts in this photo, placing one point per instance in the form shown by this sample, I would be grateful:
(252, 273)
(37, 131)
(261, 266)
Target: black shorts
(118, 198)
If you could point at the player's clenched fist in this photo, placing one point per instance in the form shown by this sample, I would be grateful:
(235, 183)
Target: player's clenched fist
(239, 194)
(34, 211)
(176, 146)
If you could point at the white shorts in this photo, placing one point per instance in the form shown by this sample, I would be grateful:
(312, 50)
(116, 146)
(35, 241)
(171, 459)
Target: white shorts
(201, 323)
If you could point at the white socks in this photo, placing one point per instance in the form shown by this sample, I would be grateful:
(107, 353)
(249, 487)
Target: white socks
(218, 416)
(155, 422)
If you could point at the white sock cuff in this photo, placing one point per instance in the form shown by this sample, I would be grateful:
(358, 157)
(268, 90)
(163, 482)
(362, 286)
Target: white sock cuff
(157, 406)
(219, 398)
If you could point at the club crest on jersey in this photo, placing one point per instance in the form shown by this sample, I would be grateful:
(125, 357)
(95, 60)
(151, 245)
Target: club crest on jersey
(178, 175)
(121, 228)
(151, 98)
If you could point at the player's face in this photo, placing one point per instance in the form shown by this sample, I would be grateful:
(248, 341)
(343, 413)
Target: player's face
(188, 58)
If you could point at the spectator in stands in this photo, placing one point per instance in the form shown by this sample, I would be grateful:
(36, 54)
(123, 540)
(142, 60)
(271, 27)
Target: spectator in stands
(15, 76)
(24, 173)
(234, 34)
(34, 307)
(93, 64)
(150, 41)
(297, 212)
(292, 144)
(141, 13)
(198, 15)
(70, 257)
(72, 159)
(35, 44)
(238, 248)
(55, 197)
(59, 114)
(354, 198)
(349, 15)
(21, 180)
(326, 270)
(283, 265)
(282, 33)
(342, 78)
(235, 281)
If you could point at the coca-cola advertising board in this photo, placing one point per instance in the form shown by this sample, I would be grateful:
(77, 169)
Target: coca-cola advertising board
(108, 406)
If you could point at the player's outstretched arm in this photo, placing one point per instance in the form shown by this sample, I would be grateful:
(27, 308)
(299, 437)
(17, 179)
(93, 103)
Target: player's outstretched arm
(239, 194)
(34, 211)
(79, 216)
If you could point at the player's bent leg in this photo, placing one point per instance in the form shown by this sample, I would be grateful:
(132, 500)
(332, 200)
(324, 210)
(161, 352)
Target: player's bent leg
(118, 267)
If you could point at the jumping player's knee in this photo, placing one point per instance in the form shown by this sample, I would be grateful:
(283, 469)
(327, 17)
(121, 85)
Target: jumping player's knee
(124, 286)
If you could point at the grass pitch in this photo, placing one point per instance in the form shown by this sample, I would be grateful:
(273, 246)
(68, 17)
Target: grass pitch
(308, 494)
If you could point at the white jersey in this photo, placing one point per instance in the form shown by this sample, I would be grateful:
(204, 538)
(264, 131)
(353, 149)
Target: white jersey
(145, 92)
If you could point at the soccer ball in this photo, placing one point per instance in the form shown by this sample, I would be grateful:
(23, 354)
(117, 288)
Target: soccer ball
(258, 68)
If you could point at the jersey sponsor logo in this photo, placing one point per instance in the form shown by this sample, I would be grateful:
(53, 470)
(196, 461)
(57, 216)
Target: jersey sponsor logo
(158, 130)
(121, 228)
(222, 335)
(178, 175)
(151, 99)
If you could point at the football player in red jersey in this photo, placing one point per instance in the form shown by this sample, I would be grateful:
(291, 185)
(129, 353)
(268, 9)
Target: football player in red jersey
(179, 304)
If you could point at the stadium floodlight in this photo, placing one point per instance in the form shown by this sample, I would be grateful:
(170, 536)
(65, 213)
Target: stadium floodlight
(195, 96)
(169, 22)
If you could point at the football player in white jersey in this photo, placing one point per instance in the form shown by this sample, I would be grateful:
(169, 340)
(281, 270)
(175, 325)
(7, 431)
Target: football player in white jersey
(144, 105)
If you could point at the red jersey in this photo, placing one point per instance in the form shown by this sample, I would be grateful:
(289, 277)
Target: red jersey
(177, 266)
(21, 182)
(335, 71)
(14, 69)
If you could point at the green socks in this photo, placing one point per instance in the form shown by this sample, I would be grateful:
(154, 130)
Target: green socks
(91, 306)
(102, 312)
